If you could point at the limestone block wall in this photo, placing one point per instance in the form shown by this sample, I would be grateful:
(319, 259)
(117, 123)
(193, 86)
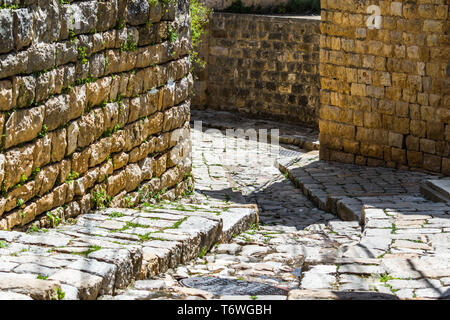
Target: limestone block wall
(262, 65)
(385, 94)
(223, 4)
(94, 106)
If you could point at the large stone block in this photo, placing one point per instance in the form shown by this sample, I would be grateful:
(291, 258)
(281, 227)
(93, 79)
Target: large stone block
(6, 31)
(23, 125)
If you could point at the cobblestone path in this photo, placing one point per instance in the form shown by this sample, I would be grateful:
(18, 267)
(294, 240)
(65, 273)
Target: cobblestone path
(398, 247)
(393, 244)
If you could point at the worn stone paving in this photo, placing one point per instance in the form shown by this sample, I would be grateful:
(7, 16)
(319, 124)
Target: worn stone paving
(102, 252)
(105, 250)
(306, 138)
(343, 188)
(399, 249)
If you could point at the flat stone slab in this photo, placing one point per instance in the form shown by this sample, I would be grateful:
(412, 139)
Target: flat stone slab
(436, 190)
(28, 285)
(338, 295)
(5, 295)
(442, 186)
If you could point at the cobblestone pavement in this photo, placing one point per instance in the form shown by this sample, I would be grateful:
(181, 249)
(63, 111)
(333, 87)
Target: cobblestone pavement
(306, 138)
(398, 247)
(100, 253)
(104, 251)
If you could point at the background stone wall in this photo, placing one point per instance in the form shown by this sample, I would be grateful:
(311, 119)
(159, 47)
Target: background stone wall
(94, 106)
(261, 65)
(223, 4)
(385, 92)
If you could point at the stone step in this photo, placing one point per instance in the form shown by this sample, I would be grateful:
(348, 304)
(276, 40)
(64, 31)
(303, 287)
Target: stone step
(324, 184)
(436, 190)
(106, 250)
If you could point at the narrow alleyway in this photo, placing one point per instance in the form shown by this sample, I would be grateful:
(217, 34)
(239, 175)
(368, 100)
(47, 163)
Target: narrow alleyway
(295, 245)
(325, 231)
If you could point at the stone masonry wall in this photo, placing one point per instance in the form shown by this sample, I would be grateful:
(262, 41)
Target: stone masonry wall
(385, 94)
(261, 65)
(223, 4)
(94, 106)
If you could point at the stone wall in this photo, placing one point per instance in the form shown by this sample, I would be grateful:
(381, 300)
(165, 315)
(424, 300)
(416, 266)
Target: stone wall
(385, 83)
(94, 106)
(223, 4)
(261, 65)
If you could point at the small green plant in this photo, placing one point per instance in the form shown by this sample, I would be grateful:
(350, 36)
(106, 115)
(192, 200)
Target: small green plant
(55, 220)
(89, 79)
(171, 34)
(23, 178)
(83, 55)
(115, 214)
(199, 20)
(72, 36)
(34, 173)
(129, 45)
(394, 229)
(20, 202)
(106, 62)
(100, 199)
(60, 294)
(203, 252)
(9, 6)
(3, 244)
(128, 201)
(254, 226)
(385, 277)
(88, 251)
(145, 237)
(120, 24)
(178, 223)
(72, 176)
(42, 277)
(33, 228)
(152, 3)
(44, 131)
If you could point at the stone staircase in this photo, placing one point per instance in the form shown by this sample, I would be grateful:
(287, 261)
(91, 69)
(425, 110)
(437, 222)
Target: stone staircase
(106, 250)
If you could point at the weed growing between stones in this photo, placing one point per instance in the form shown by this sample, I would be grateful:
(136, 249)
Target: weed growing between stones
(171, 34)
(129, 45)
(88, 251)
(116, 214)
(203, 252)
(59, 294)
(55, 220)
(100, 199)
